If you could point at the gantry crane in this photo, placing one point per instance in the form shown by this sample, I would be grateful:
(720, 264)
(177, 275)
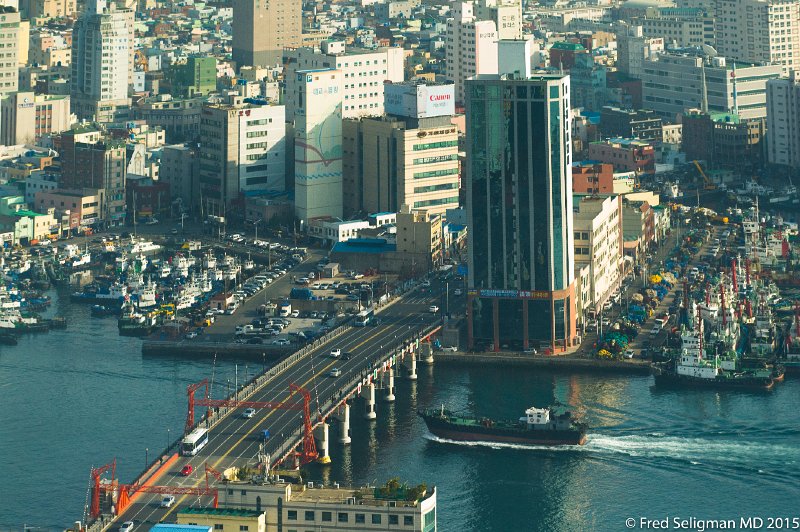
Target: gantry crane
(96, 473)
(309, 452)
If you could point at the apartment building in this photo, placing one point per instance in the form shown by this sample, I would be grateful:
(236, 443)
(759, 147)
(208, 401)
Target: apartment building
(471, 46)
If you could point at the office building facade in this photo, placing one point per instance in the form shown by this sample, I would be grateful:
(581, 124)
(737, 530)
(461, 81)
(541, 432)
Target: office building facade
(783, 121)
(519, 205)
(262, 29)
(471, 46)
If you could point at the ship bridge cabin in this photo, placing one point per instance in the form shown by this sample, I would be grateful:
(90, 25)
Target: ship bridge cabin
(537, 416)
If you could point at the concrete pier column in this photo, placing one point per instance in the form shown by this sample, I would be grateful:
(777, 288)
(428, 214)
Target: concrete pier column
(427, 354)
(345, 437)
(322, 448)
(412, 376)
(390, 386)
(370, 396)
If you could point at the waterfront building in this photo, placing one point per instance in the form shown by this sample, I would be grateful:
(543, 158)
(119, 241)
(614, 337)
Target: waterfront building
(519, 204)
(673, 82)
(471, 47)
(409, 156)
(783, 122)
(723, 139)
(179, 167)
(102, 54)
(598, 244)
(759, 32)
(318, 143)
(243, 150)
(27, 116)
(364, 73)
(261, 30)
(91, 160)
(328, 509)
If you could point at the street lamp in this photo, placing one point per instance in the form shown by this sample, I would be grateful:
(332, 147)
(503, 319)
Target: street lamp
(146, 461)
(168, 440)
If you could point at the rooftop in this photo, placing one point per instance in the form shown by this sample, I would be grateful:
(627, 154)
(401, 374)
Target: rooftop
(227, 512)
(364, 245)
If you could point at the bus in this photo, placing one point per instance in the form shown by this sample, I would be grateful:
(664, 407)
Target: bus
(364, 317)
(194, 441)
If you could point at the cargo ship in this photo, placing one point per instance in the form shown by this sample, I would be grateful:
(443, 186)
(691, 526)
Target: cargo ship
(539, 426)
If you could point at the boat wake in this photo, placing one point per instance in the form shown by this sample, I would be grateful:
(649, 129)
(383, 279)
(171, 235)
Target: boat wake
(696, 451)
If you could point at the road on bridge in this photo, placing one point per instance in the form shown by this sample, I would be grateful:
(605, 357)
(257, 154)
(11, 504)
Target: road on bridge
(235, 440)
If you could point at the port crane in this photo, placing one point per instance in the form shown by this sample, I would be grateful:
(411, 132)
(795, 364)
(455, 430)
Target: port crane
(309, 450)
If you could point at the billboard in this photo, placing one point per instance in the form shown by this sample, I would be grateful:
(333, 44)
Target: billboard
(419, 101)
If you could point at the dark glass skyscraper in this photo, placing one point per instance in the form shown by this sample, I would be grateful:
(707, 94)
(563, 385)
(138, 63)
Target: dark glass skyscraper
(519, 204)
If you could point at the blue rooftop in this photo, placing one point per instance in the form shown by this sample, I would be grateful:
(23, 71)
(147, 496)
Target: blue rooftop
(364, 245)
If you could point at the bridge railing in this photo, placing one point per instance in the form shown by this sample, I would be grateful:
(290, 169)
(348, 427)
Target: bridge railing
(327, 407)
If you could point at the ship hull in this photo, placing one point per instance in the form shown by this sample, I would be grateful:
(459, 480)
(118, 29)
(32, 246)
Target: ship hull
(673, 380)
(449, 431)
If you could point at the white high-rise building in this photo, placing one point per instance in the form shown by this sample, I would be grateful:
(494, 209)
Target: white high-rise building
(10, 42)
(759, 31)
(506, 14)
(783, 121)
(471, 46)
(101, 62)
(318, 143)
(363, 74)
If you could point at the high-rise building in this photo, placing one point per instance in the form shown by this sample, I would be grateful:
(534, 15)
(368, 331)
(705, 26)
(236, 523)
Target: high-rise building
(10, 43)
(783, 121)
(318, 143)
(90, 160)
(51, 8)
(519, 206)
(633, 48)
(410, 156)
(471, 46)
(364, 73)
(101, 63)
(759, 31)
(243, 150)
(506, 15)
(262, 29)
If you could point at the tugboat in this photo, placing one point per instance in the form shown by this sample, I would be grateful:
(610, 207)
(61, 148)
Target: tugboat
(133, 323)
(539, 426)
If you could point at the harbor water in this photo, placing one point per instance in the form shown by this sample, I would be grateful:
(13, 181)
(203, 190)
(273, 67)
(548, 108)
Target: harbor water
(80, 397)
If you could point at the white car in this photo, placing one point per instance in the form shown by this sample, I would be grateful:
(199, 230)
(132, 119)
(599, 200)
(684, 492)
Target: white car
(628, 353)
(295, 313)
(167, 501)
(336, 353)
(335, 372)
(450, 348)
(248, 413)
(434, 309)
(127, 526)
(458, 292)
(280, 341)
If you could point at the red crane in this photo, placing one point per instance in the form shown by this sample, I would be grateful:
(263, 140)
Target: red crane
(309, 452)
(97, 472)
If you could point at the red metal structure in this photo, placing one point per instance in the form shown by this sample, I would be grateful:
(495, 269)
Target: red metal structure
(127, 491)
(216, 474)
(97, 472)
(309, 452)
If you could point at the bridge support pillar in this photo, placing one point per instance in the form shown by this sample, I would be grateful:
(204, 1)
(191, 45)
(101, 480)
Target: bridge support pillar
(390, 386)
(427, 354)
(324, 456)
(412, 376)
(345, 437)
(370, 410)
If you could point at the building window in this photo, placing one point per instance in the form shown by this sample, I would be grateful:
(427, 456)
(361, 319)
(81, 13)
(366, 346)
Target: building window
(408, 520)
(243, 528)
(309, 515)
(291, 515)
(343, 517)
(361, 518)
(394, 520)
(327, 517)
(376, 519)
(218, 526)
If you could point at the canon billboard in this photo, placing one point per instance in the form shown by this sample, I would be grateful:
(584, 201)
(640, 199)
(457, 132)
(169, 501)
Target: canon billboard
(419, 101)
